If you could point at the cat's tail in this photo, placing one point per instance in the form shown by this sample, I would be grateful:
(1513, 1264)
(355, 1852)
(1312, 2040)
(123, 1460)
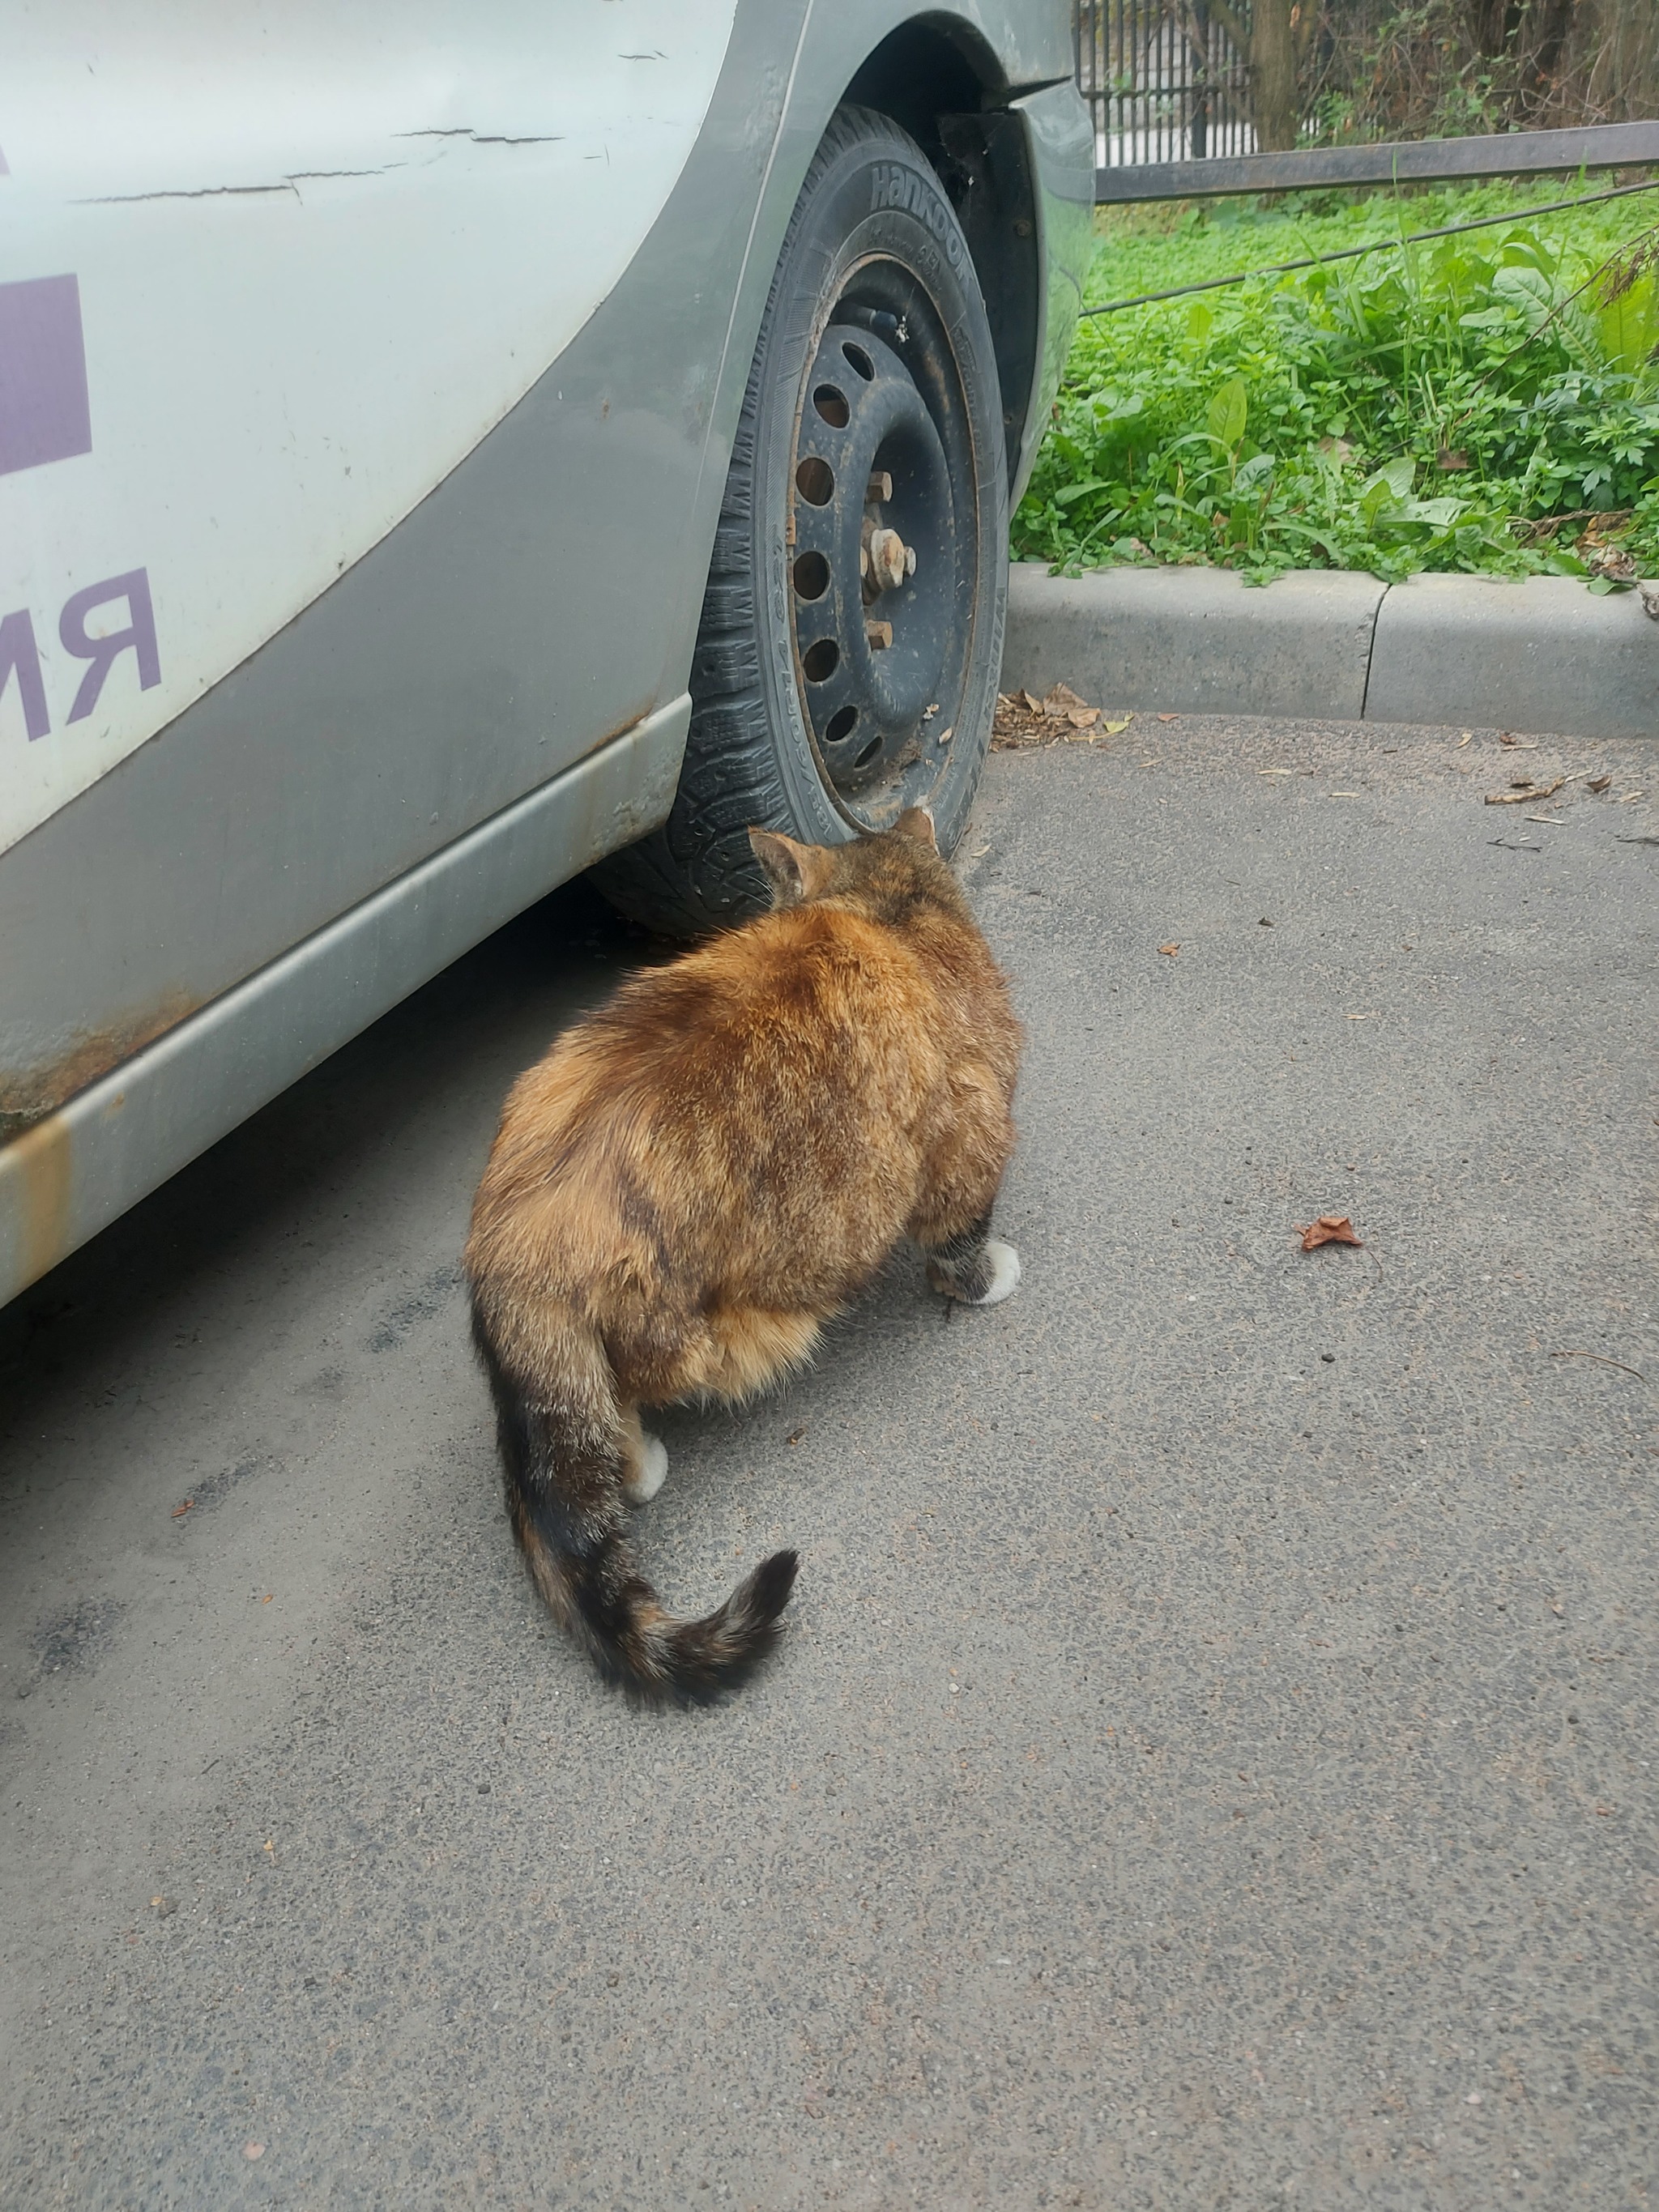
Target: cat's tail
(564, 1467)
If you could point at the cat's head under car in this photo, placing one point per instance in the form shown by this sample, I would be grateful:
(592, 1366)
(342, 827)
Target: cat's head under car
(887, 873)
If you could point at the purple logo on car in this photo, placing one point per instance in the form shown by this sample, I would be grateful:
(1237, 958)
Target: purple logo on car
(44, 414)
(20, 652)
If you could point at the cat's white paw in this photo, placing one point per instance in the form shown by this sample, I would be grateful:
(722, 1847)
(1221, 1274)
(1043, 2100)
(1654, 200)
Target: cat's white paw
(1005, 1273)
(653, 1472)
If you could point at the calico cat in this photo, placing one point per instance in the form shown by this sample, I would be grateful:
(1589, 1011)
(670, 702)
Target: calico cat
(699, 1175)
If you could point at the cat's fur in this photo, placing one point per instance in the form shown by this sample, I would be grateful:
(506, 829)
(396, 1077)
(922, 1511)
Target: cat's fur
(699, 1175)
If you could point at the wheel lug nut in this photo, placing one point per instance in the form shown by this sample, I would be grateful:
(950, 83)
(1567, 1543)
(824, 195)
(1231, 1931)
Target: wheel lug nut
(880, 635)
(880, 488)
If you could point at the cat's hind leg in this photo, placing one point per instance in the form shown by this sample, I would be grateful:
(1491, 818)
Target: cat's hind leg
(645, 1461)
(962, 1174)
(972, 1266)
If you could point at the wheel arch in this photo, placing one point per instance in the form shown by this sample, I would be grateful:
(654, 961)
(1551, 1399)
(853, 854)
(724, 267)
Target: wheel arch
(937, 78)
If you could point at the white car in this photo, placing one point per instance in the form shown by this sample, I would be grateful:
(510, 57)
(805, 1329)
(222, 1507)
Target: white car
(440, 448)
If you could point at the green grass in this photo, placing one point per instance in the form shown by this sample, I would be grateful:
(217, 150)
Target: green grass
(1426, 407)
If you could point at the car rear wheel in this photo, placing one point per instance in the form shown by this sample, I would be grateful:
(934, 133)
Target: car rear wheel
(847, 662)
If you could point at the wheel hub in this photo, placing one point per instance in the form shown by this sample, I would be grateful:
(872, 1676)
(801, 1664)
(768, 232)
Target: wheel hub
(886, 561)
(873, 559)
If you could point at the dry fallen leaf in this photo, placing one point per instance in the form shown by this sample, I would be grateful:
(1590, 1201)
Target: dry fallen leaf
(1463, 741)
(1171, 949)
(1062, 702)
(1598, 783)
(1083, 718)
(1031, 703)
(1529, 794)
(1329, 1228)
(253, 2150)
(1111, 729)
(1169, 717)
(179, 1511)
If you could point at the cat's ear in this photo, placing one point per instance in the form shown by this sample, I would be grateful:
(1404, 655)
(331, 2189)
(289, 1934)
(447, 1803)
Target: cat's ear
(916, 821)
(795, 872)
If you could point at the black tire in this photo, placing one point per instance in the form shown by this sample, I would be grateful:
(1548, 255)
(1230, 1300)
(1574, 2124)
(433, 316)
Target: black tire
(804, 717)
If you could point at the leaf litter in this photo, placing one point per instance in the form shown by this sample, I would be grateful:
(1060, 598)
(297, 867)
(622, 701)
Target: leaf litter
(1526, 791)
(1023, 720)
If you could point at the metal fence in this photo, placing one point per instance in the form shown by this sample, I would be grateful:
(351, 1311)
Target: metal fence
(1162, 82)
(1417, 160)
(1169, 95)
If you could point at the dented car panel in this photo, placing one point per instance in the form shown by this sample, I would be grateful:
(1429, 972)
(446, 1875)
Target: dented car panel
(288, 255)
(271, 748)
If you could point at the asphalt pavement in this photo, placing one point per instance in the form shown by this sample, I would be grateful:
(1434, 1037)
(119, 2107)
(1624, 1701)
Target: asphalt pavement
(1209, 1761)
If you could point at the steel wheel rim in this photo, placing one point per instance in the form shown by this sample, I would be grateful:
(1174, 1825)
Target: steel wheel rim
(882, 453)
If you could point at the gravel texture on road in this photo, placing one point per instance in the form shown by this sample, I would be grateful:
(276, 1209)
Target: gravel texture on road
(1208, 1761)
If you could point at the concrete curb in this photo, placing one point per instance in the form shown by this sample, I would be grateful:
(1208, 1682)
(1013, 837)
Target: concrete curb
(1543, 656)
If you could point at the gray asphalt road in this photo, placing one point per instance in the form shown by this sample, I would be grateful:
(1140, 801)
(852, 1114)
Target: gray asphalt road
(1209, 1762)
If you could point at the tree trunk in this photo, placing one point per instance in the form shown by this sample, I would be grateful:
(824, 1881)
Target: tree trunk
(1492, 24)
(1271, 43)
(1273, 103)
(1554, 24)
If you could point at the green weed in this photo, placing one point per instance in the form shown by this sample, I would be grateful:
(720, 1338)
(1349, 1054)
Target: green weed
(1487, 402)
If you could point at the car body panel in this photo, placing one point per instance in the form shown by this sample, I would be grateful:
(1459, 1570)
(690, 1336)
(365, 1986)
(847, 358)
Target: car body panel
(542, 598)
(538, 600)
(1061, 156)
(301, 259)
(68, 1174)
